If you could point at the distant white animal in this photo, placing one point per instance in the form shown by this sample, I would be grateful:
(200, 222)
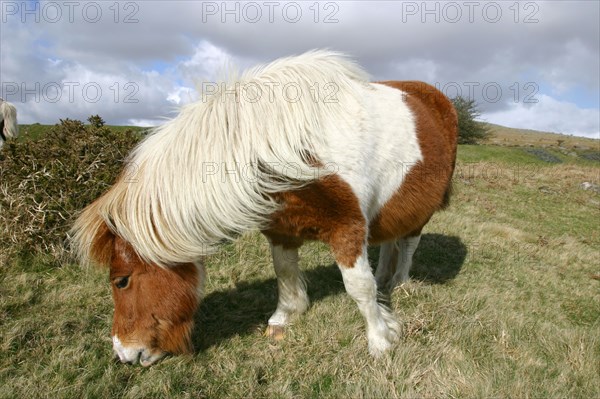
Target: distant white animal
(8, 121)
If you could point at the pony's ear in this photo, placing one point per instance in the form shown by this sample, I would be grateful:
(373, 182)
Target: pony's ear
(101, 249)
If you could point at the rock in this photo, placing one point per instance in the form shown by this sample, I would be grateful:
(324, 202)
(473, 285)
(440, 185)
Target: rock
(587, 186)
(592, 156)
(543, 155)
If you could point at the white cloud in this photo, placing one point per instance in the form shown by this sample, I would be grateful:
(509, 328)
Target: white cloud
(143, 122)
(174, 44)
(181, 95)
(550, 115)
(206, 63)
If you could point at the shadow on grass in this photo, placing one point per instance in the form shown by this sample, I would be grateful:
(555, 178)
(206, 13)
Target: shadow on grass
(245, 309)
(438, 259)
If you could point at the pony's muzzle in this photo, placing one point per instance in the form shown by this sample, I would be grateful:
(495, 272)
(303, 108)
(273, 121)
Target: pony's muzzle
(133, 354)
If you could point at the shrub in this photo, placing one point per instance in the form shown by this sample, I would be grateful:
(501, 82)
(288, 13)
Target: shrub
(470, 131)
(45, 182)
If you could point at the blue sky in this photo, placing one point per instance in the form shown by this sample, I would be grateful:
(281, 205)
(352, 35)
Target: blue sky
(530, 64)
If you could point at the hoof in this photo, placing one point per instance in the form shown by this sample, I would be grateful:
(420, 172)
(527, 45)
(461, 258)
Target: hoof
(385, 336)
(275, 332)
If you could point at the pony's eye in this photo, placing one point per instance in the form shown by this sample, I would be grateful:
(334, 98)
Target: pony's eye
(122, 282)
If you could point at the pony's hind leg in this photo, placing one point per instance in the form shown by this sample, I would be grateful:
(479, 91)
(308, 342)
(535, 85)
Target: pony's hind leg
(292, 289)
(407, 247)
(386, 267)
(382, 327)
(395, 261)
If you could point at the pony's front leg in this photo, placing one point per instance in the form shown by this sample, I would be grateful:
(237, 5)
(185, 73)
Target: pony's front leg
(382, 328)
(292, 289)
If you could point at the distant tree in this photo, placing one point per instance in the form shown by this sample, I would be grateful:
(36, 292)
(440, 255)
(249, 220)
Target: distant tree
(470, 131)
(96, 121)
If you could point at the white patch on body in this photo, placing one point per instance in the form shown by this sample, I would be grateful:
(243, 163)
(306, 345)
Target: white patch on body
(375, 150)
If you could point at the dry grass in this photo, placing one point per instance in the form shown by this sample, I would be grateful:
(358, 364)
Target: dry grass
(501, 304)
(502, 135)
(48, 175)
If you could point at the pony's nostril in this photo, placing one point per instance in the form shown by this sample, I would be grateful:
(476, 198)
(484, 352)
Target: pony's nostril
(147, 359)
(129, 355)
(131, 360)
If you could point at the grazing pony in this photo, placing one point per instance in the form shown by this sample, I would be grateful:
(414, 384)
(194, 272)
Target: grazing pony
(8, 121)
(304, 148)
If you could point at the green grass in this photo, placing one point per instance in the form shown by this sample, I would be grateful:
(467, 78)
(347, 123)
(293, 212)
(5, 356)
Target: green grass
(36, 130)
(501, 304)
(478, 153)
(520, 156)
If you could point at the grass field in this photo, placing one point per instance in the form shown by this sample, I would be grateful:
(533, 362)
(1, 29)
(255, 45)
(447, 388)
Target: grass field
(504, 302)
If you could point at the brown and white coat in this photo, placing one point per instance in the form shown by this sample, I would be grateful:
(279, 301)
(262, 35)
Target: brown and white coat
(370, 167)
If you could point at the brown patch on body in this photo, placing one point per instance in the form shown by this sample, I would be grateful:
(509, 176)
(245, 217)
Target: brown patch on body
(427, 186)
(156, 308)
(286, 241)
(328, 209)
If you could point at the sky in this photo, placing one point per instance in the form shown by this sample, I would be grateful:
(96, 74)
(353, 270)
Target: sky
(527, 64)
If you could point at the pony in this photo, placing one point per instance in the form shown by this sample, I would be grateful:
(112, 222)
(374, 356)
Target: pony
(302, 148)
(8, 121)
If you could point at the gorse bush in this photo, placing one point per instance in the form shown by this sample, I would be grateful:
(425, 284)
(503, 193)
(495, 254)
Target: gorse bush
(470, 131)
(45, 182)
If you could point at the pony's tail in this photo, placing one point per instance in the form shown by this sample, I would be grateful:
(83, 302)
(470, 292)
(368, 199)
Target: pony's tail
(452, 121)
(11, 129)
(447, 195)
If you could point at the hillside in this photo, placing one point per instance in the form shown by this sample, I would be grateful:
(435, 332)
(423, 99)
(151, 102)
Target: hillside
(504, 301)
(504, 136)
(507, 136)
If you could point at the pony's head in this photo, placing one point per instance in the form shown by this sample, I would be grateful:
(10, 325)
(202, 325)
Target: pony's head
(154, 306)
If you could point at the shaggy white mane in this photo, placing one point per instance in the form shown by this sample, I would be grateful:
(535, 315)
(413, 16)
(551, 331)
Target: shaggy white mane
(207, 175)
